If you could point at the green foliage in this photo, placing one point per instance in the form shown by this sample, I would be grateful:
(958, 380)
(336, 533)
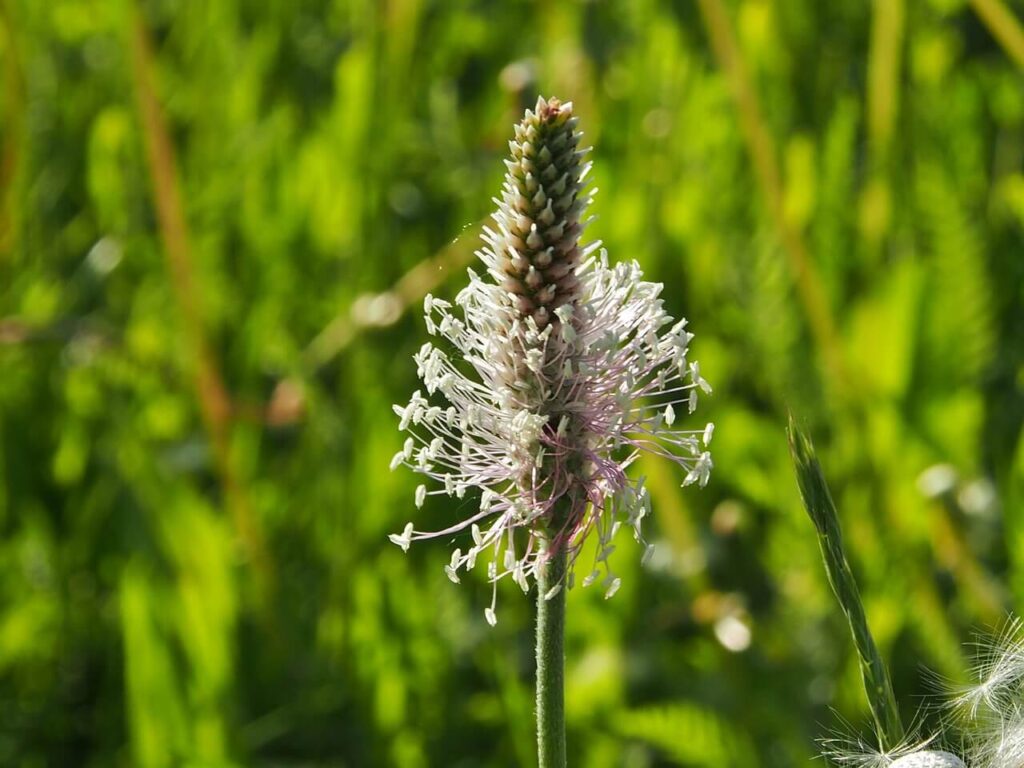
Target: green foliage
(195, 420)
(689, 734)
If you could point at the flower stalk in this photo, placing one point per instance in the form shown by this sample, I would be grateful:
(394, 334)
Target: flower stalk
(551, 663)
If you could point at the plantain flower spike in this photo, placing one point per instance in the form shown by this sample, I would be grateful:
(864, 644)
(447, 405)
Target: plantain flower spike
(555, 370)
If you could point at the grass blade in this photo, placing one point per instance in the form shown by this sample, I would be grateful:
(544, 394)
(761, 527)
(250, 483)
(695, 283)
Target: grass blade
(818, 502)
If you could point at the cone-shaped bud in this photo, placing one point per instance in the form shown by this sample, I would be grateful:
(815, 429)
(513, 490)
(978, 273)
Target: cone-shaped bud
(537, 244)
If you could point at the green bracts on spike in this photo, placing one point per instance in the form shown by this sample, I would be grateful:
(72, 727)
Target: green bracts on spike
(822, 510)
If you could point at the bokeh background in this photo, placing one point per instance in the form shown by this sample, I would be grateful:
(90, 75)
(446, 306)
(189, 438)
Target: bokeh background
(217, 223)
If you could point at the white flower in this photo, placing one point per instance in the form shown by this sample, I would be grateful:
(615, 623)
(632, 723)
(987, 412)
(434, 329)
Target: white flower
(558, 369)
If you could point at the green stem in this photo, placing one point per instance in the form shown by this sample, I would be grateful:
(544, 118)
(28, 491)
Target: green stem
(551, 664)
(822, 511)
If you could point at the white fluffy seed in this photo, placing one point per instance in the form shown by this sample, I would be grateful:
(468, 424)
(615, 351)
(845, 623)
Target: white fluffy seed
(928, 759)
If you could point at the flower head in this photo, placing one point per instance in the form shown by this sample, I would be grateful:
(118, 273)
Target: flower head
(557, 369)
(854, 753)
(928, 759)
(999, 672)
(994, 706)
(992, 717)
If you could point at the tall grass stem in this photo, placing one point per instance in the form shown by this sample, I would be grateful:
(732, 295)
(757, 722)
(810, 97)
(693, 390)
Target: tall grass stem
(822, 510)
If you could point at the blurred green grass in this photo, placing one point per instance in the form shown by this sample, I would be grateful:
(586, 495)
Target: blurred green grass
(216, 222)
